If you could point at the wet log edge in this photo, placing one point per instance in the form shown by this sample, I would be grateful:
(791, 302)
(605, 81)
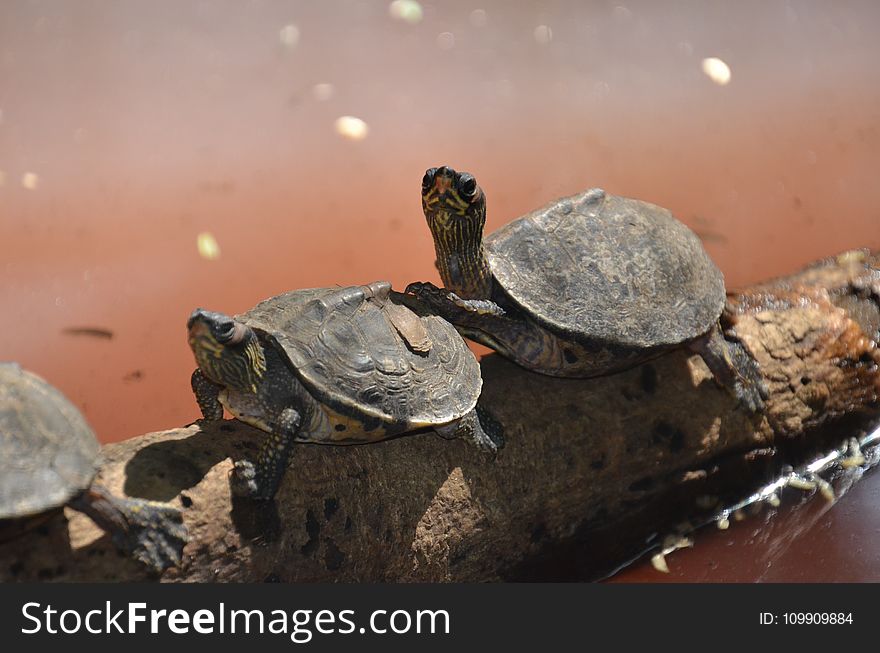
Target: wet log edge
(587, 463)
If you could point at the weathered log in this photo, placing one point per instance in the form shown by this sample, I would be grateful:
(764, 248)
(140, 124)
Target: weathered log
(582, 458)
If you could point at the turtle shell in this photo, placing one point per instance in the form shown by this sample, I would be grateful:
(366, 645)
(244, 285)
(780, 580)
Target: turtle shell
(344, 347)
(597, 267)
(48, 453)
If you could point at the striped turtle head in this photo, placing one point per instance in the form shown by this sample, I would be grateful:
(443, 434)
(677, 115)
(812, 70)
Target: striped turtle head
(226, 351)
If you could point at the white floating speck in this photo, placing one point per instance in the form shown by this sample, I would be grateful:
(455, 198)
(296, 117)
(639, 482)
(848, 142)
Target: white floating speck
(723, 524)
(409, 11)
(30, 180)
(622, 13)
(289, 35)
(323, 92)
(717, 70)
(351, 128)
(478, 17)
(208, 247)
(446, 40)
(543, 34)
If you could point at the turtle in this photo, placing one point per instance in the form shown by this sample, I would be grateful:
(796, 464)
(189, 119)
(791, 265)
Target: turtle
(585, 286)
(342, 365)
(48, 459)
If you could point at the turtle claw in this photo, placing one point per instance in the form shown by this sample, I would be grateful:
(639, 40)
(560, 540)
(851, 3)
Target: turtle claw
(243, 480)
(155, 534)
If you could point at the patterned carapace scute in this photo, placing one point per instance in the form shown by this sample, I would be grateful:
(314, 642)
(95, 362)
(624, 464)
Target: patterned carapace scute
(48, 453)
(346, 351)
(609, 269)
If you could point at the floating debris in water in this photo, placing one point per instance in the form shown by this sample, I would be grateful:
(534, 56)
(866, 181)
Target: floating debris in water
(323, 92)
(30, 180)
(352, 128)
(658, 561)
(289, 35)
(723, 523)
(717, 70)
(446, 40)
(93, 332)
(478, 17)
(135, 375)
(208, 247)
(543, 34)
(409, 11)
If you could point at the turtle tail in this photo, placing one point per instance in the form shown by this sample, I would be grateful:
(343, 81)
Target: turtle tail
(150, 532)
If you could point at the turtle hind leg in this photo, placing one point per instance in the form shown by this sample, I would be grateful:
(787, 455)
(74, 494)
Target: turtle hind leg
(734, 369)
(150, 532)
(261, 480)
(479, 427)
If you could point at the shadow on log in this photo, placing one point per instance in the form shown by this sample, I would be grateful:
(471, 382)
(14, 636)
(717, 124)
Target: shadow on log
(590, 469)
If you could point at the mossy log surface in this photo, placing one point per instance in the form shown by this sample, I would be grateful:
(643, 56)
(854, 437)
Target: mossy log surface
(584, 459)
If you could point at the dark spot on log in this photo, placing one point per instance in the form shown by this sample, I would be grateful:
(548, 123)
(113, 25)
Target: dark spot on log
(389, 535)
(673, 437)
(805, 380)
(185, 501)
(272, 578)
(649, 379)
(160, 474)
(538, 532)
(16, 567)
(598, 463)
(231, 548)
(642, 484)
(227, 427)
(333, 557)
(313, 528)
(330, 507)
(347, 527)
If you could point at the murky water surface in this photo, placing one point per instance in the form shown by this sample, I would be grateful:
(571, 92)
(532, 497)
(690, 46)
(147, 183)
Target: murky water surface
(155, 157)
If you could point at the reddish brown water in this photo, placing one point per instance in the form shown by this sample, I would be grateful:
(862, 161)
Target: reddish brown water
(128, 128)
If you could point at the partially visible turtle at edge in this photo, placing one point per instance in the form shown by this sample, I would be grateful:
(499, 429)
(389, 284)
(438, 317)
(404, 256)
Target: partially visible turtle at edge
(585, 286)
(48, 459)
(334, 366)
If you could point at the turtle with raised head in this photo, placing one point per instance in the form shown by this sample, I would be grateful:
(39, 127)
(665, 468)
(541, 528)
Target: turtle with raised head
(334, 366)
(584, 286)
(48, 459)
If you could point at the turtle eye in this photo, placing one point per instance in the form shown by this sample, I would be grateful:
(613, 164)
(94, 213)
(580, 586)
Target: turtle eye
(428, 179)
(467, 185)
(224, 331)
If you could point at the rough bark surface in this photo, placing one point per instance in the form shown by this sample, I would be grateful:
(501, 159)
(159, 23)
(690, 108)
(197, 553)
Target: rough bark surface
(580, 456)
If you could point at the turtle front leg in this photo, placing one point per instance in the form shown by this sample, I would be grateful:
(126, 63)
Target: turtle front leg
(479, 427)
(734, 368)
(261, 480)
(446, 302)
(207, 395)
(150, 532)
